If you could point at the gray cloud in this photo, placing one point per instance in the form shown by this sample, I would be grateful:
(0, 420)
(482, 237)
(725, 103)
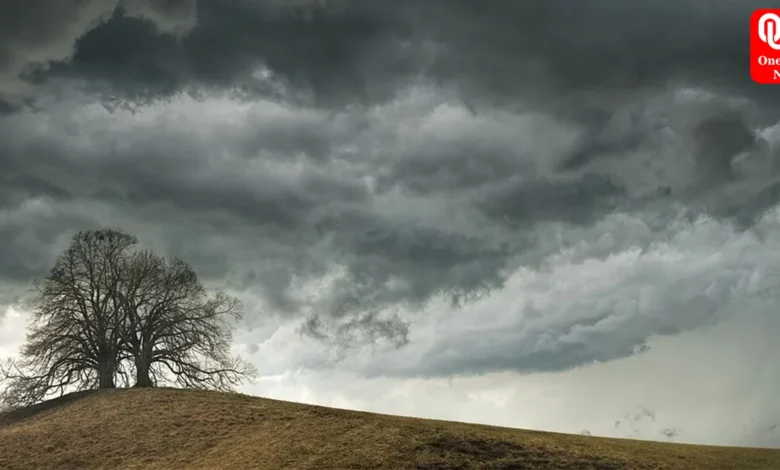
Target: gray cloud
(579, 201)
(718, 139)
(555, 53)
(570, 312)
(670, 433)
(352, 163)
(39, 32)
(225, 187)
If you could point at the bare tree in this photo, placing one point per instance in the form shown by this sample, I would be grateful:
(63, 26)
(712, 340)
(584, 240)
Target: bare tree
(74, 338)
(175, 331)
(107, 311)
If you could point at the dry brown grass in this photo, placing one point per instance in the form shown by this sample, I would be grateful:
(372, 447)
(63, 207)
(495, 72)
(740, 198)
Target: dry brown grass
(177, 429)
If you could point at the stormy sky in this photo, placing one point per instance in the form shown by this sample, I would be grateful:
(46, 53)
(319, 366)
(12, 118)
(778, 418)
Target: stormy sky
(552, 214)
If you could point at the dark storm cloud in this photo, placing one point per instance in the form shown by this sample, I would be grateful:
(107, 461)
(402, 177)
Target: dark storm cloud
(718, 139)
(579, 201)
(378, 253)
(606, 134)
(315, 48)
(370, 327)
(30, 240)
(577, 61)
(27, 254)
(746, 211)
(151, 176)
(35, 33)
(521, 116)
(568, 46)
(299, 214)
(157, 169)
(249, 203)
(468, 162)
(364, 51)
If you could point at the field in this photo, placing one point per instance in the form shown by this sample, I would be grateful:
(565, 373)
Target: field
(177, 429)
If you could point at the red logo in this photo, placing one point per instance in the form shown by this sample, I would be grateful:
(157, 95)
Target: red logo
(765, 46)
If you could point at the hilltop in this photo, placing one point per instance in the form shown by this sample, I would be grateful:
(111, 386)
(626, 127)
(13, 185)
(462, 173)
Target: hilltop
(171, 429)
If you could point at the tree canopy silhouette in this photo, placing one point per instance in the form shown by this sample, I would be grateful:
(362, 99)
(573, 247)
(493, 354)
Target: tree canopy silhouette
(109, 311)
(174, 328)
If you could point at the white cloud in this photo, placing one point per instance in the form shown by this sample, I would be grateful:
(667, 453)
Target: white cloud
(12, 331)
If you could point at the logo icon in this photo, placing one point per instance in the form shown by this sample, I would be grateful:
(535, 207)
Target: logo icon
(765, 46)
(769, 30)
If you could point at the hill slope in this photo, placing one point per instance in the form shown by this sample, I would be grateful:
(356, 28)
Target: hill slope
(174, 429)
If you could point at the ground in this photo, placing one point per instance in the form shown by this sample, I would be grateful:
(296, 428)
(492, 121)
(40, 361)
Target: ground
(175, 429)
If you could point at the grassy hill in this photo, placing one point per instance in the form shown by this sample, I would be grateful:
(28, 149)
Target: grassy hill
(176, 429)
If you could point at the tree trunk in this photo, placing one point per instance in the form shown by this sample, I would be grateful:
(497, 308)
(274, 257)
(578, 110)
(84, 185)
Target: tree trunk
(142, 377)
(106, 369)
